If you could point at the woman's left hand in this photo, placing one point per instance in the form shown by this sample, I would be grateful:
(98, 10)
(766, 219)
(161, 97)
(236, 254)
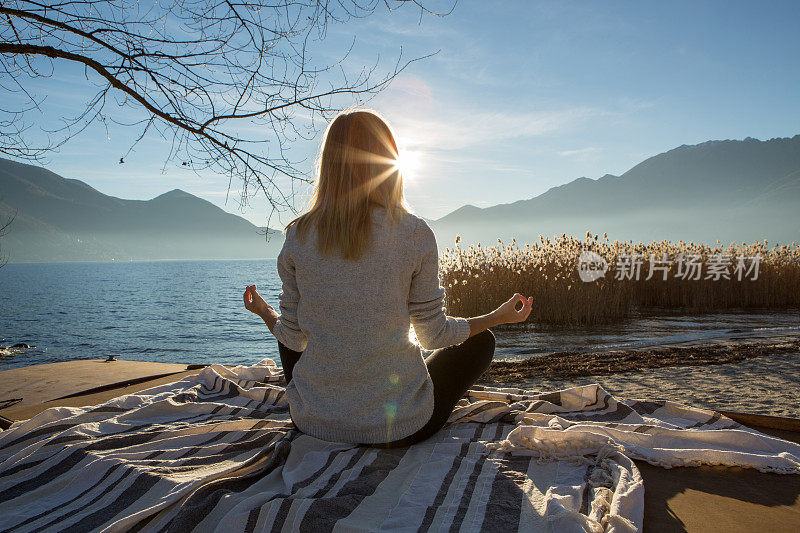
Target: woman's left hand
(254, 303)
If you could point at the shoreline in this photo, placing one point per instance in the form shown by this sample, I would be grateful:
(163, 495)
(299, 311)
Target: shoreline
(759, 375)
(756, 373)
(574, 364)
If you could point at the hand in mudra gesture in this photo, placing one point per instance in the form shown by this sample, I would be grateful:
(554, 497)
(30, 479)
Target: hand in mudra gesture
(508, 313)
(254, 303)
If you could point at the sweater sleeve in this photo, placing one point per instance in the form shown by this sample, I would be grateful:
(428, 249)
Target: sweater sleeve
(287, 330)
(434, 329)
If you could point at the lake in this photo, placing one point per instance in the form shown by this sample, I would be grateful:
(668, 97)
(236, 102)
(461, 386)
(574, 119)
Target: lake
(192, 312)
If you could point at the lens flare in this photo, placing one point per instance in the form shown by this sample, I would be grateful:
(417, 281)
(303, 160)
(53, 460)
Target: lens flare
(408, 162)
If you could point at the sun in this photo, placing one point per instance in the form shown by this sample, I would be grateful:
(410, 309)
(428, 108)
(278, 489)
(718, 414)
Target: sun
(408, 162)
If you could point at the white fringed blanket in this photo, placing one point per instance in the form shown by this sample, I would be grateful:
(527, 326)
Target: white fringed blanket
(218, 451)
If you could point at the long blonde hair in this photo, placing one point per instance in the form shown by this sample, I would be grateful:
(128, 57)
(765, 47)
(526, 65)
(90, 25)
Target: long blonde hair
(357, 171)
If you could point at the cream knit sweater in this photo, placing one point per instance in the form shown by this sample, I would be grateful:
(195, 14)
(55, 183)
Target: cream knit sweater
(360, 378)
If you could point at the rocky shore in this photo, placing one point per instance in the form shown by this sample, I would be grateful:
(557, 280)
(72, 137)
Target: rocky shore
(758, 374)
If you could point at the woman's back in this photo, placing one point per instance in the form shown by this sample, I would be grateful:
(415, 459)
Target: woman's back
(360, 378)
(356, 269)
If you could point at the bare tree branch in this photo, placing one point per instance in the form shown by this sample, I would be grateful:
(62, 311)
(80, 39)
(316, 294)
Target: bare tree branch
(231, 85)
(4, 225)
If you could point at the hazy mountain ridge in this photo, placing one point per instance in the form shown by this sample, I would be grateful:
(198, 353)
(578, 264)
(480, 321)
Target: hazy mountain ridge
(59, 219)
(727, 190)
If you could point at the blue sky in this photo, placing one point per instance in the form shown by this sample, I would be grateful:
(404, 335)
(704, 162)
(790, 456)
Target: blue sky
(521, 97)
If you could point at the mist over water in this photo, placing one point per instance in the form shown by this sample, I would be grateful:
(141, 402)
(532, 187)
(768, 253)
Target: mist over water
(192, 312)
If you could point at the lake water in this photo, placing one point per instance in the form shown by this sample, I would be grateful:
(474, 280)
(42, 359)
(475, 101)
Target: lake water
(166, 311)
(192, 312)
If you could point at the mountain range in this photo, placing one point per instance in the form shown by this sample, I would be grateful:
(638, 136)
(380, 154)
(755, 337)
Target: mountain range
(732, 190)
(58, 219)
(728, 190)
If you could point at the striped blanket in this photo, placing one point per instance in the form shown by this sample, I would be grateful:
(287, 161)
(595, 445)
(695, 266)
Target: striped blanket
(218, 451)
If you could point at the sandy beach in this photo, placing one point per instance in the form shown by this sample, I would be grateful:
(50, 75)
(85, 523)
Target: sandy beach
(759, 375)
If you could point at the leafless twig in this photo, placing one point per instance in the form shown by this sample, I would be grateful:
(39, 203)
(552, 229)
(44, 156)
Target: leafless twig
(230, 84)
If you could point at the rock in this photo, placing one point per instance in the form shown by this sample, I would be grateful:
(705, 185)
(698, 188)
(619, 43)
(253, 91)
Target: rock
(22, 345)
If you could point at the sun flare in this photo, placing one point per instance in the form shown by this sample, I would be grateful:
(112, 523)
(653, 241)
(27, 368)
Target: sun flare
(408, 162)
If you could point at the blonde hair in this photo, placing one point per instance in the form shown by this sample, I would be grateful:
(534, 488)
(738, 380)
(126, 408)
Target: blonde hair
(357, 171)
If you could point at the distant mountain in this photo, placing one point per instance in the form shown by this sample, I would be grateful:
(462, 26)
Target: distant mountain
(728, 190)
(60, 219)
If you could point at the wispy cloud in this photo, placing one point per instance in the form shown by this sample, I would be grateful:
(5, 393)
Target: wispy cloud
(578, 152)
(460, 127)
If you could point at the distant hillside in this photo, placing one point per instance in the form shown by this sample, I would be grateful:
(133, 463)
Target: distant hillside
(60, 219)
(727, 190)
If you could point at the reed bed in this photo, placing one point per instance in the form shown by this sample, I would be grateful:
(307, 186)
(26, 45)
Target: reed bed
(477, 278)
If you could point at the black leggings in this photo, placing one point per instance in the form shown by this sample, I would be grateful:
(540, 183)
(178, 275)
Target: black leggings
(453, 371)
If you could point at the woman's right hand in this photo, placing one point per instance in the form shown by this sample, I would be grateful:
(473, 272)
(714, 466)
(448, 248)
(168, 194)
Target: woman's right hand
(508, 313)
(505, 314)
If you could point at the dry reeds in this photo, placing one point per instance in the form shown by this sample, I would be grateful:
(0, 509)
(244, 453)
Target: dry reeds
(477, 278)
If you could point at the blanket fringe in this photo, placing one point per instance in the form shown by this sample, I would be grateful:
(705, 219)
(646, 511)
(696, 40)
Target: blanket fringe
(581, 446)
(593, 526)
(600, 479)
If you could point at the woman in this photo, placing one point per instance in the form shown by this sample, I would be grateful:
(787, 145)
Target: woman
(357, 269)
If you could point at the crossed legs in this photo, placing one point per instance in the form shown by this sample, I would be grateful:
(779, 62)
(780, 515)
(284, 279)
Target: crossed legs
(453, 371)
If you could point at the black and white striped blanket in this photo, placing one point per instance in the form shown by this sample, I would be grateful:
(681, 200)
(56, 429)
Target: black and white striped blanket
(218, 451)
